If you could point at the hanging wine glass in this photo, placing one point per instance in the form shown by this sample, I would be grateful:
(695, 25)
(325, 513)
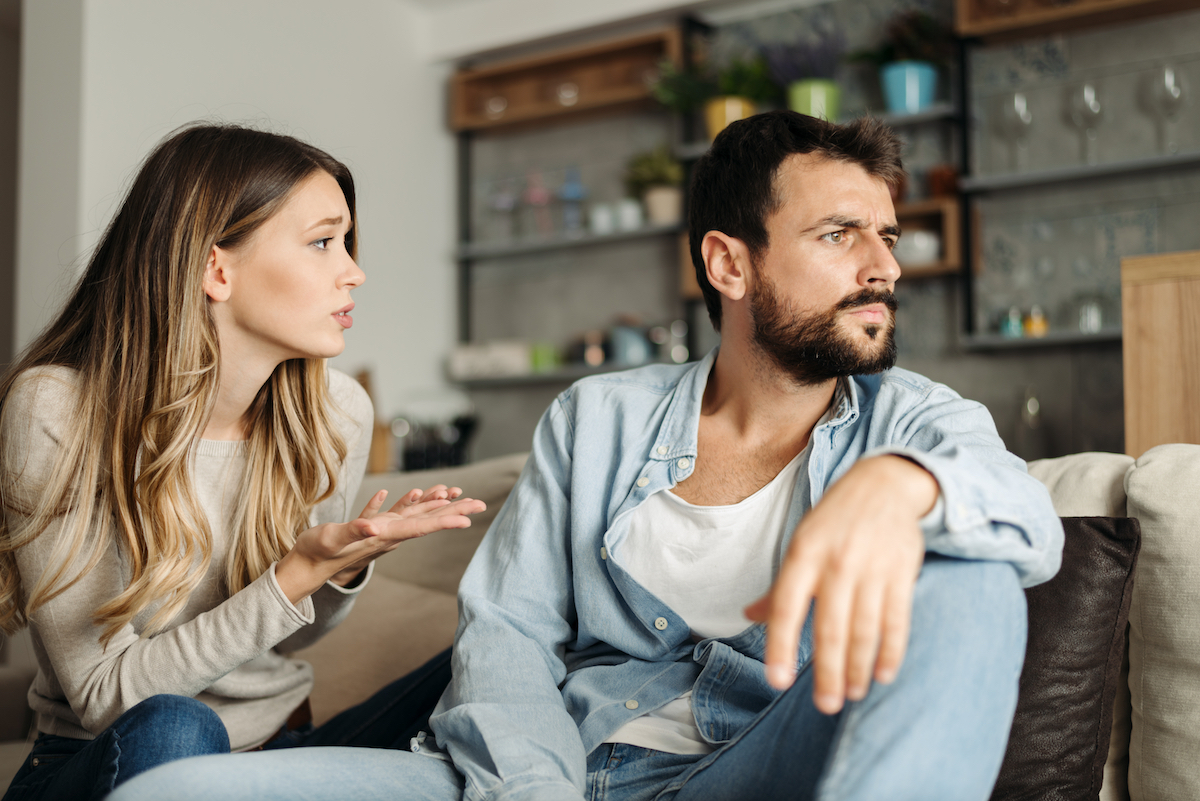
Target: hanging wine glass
(1168, 96)
(1012, 123)
(1086, 113)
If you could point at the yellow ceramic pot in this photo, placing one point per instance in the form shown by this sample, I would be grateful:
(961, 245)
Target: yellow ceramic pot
(720, 111)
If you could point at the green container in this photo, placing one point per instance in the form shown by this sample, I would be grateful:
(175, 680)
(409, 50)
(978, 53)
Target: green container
(815, 97)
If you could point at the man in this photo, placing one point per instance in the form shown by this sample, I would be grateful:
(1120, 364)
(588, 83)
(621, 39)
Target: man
(604, 649)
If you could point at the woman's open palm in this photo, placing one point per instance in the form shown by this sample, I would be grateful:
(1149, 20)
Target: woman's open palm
(339, 551)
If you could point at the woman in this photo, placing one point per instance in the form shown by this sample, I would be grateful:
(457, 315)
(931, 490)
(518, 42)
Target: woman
(176, 462)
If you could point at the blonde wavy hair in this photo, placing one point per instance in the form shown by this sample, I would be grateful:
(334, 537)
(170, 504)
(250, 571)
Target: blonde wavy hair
(138, 332)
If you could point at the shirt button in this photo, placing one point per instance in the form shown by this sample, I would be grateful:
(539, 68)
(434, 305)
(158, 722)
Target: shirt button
(660, 623)
(643, 481)
(631, 704)
(603, 552)
(683, 464)
(662, 450)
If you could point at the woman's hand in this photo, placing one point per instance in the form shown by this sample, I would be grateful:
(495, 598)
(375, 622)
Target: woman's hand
(340, 551)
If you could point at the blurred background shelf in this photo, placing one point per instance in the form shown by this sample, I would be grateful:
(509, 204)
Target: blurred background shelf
(994, 342)
(999, 22)
(565, 375)
(690, 151)
(1078, 172)
(499, 250)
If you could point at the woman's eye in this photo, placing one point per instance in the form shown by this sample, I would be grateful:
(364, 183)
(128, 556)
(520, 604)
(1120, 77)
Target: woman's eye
(323, 244)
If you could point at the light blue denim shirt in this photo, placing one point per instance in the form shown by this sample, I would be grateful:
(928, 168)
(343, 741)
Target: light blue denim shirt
(558, 647)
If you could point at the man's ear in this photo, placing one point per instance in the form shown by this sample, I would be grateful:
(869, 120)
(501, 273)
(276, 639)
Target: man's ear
(726, 263)
(216, 281)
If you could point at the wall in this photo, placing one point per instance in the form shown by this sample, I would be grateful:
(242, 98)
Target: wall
(10, 60)
(106, 79)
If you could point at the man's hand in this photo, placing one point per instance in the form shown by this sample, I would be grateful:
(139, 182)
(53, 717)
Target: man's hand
(340, 551)
(857, 553)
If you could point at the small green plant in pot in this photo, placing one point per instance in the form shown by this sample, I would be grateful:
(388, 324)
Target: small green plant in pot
(730, 93)
(655, 178)
(914, 47)
(741, 85)
(806, 70)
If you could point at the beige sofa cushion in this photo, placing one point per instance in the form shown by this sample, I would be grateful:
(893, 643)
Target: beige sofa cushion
(1164, 626)
(438, 560)
(408, 612)
(393, 629)
(1085, 484)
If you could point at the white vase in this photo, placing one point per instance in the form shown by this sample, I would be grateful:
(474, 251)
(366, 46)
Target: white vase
(664, 205)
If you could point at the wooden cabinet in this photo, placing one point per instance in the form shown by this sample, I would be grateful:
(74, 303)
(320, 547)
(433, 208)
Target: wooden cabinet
(1160, 304)
(1000, 20)
(940, 215)
(562, 82)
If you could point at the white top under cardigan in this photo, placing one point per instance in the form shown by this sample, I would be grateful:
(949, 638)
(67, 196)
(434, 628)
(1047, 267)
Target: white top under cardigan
(229, 652)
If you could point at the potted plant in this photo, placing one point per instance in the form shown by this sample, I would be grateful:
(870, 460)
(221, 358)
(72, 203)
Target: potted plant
(914, 46)
(655, 177)
(741, 86)
(730, 93)
(806, 71)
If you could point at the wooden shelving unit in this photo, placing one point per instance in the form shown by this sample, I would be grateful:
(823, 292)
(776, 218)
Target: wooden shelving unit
(995, 21)
(943, 216)
(561, 83)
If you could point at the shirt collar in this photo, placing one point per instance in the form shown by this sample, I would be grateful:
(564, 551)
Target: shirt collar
(677, 436)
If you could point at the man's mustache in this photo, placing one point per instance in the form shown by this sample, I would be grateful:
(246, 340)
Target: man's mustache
(867, 297)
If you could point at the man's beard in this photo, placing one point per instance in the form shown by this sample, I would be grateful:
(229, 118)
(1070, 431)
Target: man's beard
(815, 348)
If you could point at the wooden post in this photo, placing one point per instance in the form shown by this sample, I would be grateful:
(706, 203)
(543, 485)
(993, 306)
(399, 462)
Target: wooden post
(1160, 309)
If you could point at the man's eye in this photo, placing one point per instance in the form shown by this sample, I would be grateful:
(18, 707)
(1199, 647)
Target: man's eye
(836, 237)
(891, 243)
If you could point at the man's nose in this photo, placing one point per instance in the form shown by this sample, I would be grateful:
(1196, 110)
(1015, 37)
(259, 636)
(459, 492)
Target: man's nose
(879, 267)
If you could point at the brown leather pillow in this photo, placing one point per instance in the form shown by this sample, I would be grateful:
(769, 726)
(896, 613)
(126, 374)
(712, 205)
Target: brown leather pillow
(1059, 738)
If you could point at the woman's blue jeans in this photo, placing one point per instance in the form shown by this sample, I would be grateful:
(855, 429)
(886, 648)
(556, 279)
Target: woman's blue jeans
(165, 728)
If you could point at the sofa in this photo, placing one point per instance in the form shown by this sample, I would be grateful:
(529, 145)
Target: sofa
(1154, 749)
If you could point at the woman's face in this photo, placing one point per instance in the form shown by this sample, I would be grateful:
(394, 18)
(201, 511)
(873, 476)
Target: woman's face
(285, 294)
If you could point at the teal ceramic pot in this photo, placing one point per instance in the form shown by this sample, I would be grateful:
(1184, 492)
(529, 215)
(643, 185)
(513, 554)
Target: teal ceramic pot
(908, 86)
(815, 97)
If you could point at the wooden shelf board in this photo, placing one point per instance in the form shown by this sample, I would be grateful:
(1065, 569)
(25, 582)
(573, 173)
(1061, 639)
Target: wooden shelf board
(1044, 20)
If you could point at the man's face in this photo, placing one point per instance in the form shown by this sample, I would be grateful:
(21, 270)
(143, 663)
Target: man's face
(821, 298)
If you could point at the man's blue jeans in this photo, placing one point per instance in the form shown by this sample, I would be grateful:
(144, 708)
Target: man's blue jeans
(165, 728)
(938, 732)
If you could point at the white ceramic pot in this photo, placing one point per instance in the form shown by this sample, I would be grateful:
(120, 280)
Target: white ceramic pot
(664, 205)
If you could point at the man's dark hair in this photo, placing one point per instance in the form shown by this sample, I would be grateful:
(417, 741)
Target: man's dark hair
(733, 184)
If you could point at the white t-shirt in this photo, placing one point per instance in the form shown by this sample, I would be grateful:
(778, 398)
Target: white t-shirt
(707, 563)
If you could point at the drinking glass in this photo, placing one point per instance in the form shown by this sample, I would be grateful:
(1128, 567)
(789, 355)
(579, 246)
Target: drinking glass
(1168, 96)
(1086, 113)
(1013, 123)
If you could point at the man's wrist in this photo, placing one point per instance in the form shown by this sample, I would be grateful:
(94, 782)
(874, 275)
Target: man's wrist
(917, 487)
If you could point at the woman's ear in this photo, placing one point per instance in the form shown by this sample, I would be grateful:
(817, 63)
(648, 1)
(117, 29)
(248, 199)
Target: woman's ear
(726, 263)
(216, 281)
